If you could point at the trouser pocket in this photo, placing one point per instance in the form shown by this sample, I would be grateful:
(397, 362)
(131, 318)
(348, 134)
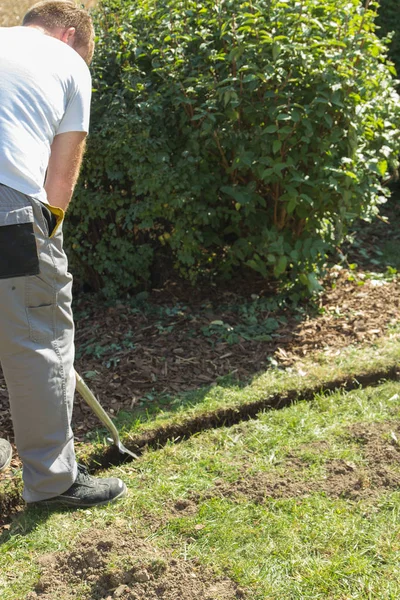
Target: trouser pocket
(18, 251)
(40, 309)
(53, 216)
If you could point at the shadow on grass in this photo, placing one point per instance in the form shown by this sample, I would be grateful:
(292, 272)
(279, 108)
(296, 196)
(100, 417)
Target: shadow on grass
(23, 522)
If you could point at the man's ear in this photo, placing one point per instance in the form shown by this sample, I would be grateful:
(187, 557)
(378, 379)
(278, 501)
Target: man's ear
(68, 36)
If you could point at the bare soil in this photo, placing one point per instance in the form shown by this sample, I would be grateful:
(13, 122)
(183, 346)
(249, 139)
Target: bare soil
(378, 473)
(147, 574)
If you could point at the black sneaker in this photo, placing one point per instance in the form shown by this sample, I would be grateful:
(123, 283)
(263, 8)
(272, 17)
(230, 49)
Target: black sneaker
(5, 454)
(89, 491)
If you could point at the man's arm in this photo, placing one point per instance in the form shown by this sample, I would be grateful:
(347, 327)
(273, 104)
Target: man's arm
(63, 170)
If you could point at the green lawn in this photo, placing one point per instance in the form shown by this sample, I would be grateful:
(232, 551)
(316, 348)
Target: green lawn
(299, 503)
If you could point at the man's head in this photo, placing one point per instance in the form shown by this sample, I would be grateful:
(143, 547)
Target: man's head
(67, 22)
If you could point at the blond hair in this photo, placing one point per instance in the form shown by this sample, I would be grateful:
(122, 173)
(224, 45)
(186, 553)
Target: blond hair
(51, 14)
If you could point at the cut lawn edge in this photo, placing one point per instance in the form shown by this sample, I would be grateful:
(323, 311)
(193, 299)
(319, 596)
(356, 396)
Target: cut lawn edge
(227, 404)
(232, 415)
(273, 390)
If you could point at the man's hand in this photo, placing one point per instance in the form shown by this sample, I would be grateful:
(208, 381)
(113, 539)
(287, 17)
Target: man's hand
(65, 161)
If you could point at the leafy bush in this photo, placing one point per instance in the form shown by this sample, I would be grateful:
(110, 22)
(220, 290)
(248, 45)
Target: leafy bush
(228, 134)
(388, 22)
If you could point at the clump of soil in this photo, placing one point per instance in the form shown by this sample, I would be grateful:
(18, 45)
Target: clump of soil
(184, 507)
(380, 441)
(378, 473)
(143, 573)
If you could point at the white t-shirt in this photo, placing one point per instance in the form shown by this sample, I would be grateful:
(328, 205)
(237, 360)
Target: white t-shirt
(45, 89)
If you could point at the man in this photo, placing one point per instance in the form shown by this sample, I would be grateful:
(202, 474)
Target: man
(44, 116)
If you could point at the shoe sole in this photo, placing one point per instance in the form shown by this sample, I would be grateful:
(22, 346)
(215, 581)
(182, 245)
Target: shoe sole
(7, 464)
(69, 503)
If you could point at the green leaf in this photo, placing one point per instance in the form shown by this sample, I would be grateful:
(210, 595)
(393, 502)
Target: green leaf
(266, 174)
(236, 193)
(291, 205)
(278, 167)
(313, 283)
(382, 167)
(281, 266)
(257, 265)
(249, 77)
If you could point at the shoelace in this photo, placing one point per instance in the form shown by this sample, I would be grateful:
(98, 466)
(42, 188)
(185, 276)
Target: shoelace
(83, 474)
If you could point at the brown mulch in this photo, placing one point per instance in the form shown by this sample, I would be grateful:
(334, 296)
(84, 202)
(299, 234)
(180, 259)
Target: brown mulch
(128, 355)
(180, 357)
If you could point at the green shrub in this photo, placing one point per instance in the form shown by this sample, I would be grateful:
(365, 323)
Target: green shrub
(388, 22)
(231, 134)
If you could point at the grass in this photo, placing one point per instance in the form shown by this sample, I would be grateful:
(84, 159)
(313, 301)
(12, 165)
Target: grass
(315, 371)
(299, 547)
(316, 549)
(265, 442)
(172, 417)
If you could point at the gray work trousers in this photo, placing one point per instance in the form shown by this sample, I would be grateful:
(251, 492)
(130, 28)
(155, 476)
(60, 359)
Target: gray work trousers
(37, 342)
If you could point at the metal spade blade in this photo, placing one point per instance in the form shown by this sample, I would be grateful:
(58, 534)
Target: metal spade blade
(99, 411)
